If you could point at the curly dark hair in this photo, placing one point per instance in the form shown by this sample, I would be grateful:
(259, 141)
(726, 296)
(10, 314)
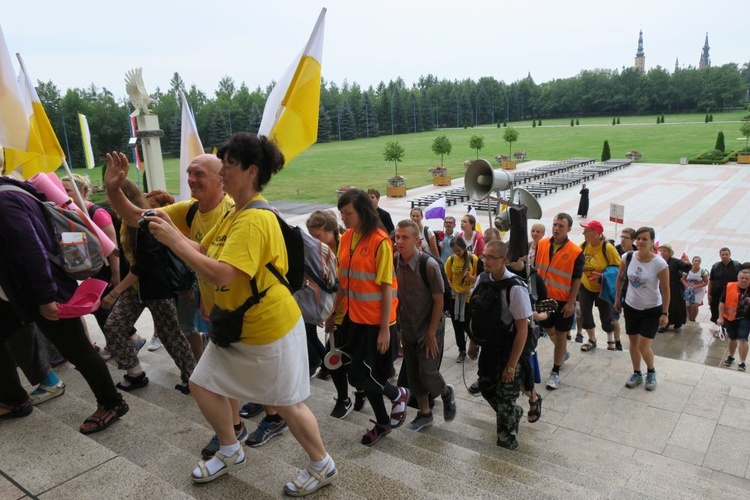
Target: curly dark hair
(252, 149)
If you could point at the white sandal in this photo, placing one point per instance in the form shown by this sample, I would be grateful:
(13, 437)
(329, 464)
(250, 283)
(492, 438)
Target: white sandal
(324, 478)
(231, 463)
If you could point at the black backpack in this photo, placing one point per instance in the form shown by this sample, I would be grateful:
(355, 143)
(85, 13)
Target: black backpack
(486, 327)
(447, 295)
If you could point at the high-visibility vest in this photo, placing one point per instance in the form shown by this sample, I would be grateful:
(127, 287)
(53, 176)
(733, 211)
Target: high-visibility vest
(357, 272)
(731, 301)
(557, 272)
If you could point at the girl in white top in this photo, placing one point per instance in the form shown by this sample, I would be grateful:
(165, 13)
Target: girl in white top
(429, 242)
(695, 280)
(646, 303)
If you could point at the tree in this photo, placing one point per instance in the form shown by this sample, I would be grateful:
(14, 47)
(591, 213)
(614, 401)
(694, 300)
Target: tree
(720, 142)
(577, 122)
(618, 120)
(745, 132)
(606, 155)
(572, 124)
(662, 118)
(510, 136)
(393, 152)
(477, 142)
(614, 121)
(540, 123)
(706, 119)
(442, 146)
(533, 124)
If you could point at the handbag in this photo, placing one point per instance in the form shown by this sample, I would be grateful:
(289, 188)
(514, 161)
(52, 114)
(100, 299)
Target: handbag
(181, 277)
(226, 325)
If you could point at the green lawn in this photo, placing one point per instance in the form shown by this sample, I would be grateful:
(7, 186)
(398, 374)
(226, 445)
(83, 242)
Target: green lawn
(315, 175)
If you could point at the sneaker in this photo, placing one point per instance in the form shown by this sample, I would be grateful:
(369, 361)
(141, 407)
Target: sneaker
(729, 361)
(371, 437)
(265, 431)
(449, 404)
(650, 381)
(249, 410)
(213, 445)
(741, 367)
(553, 382)
(474, 389)
(461, 357)
(634, 380)
(398, 408)
(46, 392)
(139, 344)
(155, 344)
(420, 422)
(343, 408)
(103, 352)
(579, 338)
(359, 400)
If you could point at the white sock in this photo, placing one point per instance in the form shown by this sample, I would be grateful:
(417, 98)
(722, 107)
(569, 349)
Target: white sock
(214, 465)
(304, 475)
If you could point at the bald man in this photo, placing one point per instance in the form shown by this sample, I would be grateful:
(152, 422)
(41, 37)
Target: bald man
(207, 205)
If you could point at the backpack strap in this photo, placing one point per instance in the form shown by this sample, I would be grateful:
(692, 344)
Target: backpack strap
(191, 214)
(264, 205)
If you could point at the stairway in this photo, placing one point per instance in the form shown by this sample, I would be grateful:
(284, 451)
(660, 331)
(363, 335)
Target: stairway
(596, 439)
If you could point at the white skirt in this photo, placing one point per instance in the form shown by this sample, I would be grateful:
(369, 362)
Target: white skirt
(274, 374)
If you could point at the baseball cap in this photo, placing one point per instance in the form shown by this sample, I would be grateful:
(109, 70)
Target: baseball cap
(595, 225)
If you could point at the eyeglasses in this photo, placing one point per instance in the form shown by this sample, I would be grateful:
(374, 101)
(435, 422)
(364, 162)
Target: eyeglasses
(492, 257)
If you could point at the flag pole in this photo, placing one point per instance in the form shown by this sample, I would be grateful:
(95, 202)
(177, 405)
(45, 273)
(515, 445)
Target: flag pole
(77, 198)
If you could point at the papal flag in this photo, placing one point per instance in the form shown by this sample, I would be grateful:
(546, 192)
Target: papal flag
(190, 146)
(29, 139)
(473, 213)
(88, 152)
(436, 210)
(290, 117)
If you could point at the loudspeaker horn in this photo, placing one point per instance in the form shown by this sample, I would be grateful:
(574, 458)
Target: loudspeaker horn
(522, 197)
(480, 180)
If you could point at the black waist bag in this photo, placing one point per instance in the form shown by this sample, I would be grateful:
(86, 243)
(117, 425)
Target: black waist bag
(226, 325)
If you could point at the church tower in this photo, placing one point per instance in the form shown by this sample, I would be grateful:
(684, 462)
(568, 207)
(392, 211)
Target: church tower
(640, 56)
(705, 59)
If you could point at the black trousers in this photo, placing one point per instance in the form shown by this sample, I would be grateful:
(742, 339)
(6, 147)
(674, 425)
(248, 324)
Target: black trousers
(69, 337)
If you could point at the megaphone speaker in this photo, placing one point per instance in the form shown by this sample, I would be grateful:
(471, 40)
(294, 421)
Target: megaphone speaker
(522, 197)
(480, 180)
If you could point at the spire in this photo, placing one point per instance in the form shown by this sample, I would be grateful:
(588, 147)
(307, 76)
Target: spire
(676, 64)
(640, 52)
(640, 56)
(705, 59)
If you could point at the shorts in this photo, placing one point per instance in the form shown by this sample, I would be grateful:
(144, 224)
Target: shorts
(557, 321)
(738, 329)
(642, 322)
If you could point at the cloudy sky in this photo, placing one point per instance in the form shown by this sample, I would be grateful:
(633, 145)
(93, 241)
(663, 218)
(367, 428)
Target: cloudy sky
(78, 42)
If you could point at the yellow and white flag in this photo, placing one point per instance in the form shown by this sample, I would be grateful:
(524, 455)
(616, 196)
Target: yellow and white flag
(41, 151)
(12, 111)
(88, 151)
(290, 117)
(190, 146)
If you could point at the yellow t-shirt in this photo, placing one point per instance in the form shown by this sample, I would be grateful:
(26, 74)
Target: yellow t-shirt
(202, 224)
(248, 240)
(595, 263)
(454, 266)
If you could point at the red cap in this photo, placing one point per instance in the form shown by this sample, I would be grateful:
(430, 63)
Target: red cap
(595, 225)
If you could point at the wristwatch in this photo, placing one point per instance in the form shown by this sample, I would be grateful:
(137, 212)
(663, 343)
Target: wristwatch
(665, 314)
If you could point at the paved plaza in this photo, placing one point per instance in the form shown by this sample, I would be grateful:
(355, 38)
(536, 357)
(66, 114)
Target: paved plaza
(596, 439)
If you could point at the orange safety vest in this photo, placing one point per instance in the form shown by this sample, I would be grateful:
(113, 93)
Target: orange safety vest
(731, 301)
(557, 272)
(357, 272)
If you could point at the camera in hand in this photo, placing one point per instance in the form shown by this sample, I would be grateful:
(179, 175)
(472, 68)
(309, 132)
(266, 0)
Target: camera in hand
(143, 223)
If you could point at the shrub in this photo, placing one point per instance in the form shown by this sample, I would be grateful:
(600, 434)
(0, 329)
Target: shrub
(606, 154)
(614, 121)
(618, 120)
(571, 122)
(533, 124)
(577, 123)
(720, 142)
